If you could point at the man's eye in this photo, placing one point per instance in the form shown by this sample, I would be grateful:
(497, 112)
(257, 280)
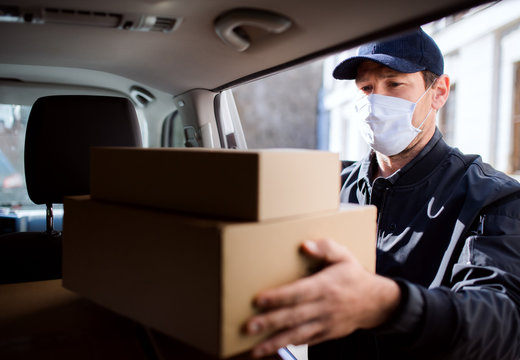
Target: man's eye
(366, 89)
(394, 84)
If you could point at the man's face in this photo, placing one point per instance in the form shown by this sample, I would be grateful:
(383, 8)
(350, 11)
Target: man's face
(374, 78)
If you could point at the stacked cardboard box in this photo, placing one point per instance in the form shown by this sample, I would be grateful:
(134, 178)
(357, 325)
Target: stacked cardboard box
(182, 239)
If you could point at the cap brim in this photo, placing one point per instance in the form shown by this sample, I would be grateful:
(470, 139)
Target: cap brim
(347, 70)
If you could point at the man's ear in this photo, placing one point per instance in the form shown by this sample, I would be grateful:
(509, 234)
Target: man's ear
(440, 91)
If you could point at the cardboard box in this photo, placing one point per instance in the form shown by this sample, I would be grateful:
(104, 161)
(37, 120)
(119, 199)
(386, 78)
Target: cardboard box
(192, 278)
(248, 185)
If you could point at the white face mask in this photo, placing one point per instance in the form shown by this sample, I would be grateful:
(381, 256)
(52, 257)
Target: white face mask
(386, 122)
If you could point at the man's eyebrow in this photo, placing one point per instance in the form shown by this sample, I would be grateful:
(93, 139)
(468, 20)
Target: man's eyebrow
(359, 80)
(384, 75)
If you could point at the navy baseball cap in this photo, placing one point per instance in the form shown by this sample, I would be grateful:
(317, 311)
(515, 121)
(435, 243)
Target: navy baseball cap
(411, 52)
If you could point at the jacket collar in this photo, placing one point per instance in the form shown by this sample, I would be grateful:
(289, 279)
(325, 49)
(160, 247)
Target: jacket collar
(414, 171)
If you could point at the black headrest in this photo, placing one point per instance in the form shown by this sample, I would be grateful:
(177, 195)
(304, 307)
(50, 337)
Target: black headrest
(60, 132)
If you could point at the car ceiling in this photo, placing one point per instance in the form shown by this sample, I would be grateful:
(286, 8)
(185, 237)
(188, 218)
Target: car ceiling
(193, 56)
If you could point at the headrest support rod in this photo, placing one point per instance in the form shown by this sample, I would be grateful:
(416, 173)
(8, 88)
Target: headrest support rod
(50, 220)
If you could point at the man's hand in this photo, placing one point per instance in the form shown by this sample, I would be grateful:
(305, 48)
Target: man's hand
(332, 303)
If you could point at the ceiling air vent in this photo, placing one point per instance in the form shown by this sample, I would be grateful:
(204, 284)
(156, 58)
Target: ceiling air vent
(134, 22)
(149, 23)
(80, 17)
(164, 24)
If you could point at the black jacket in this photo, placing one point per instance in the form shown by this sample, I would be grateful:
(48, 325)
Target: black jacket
(449, 233)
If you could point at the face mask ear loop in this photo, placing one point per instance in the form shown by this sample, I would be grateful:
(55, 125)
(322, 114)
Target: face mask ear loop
(424, 93)
(426, 117)
(429, 112)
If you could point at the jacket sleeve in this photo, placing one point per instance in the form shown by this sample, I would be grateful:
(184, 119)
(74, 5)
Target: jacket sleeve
(479, 316)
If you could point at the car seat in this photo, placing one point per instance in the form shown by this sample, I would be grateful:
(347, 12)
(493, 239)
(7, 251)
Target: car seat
(60, 132)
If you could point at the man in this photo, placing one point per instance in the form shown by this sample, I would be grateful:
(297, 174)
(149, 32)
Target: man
(448, 240)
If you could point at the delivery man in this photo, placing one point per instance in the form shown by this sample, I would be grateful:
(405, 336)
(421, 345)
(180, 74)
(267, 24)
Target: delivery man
(447, 282)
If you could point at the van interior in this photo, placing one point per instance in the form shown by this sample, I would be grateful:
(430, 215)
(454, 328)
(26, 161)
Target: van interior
(141, 74)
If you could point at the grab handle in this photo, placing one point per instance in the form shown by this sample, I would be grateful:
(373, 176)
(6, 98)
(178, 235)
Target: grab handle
(229, 26)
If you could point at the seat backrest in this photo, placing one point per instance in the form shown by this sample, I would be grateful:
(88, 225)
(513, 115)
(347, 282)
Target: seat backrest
(59, 134)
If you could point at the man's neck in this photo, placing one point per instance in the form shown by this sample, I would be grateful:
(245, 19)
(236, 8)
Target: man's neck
(387, 165)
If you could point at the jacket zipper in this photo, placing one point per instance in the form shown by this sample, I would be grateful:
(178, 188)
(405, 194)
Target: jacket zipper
(380, 215)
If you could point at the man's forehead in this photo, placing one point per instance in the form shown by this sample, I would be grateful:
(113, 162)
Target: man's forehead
(369, 67)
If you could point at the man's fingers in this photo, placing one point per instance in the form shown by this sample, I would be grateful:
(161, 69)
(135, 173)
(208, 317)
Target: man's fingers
(326, 250)
(297, 312)
(296, 336)
(302, 290)
(305, 289)
(284, 318)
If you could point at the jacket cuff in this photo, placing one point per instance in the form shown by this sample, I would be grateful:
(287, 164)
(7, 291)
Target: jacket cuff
(408, 315)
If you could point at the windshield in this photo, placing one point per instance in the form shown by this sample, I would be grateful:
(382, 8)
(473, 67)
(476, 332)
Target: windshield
(13, 121)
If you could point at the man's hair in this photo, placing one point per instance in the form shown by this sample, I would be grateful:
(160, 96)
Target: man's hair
(429, 78)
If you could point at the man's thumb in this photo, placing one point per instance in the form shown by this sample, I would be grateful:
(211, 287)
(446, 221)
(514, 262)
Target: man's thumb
(326, 250)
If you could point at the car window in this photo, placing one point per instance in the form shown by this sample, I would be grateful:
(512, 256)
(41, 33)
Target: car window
(282, 110)
(307, 108)
(13, 120)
